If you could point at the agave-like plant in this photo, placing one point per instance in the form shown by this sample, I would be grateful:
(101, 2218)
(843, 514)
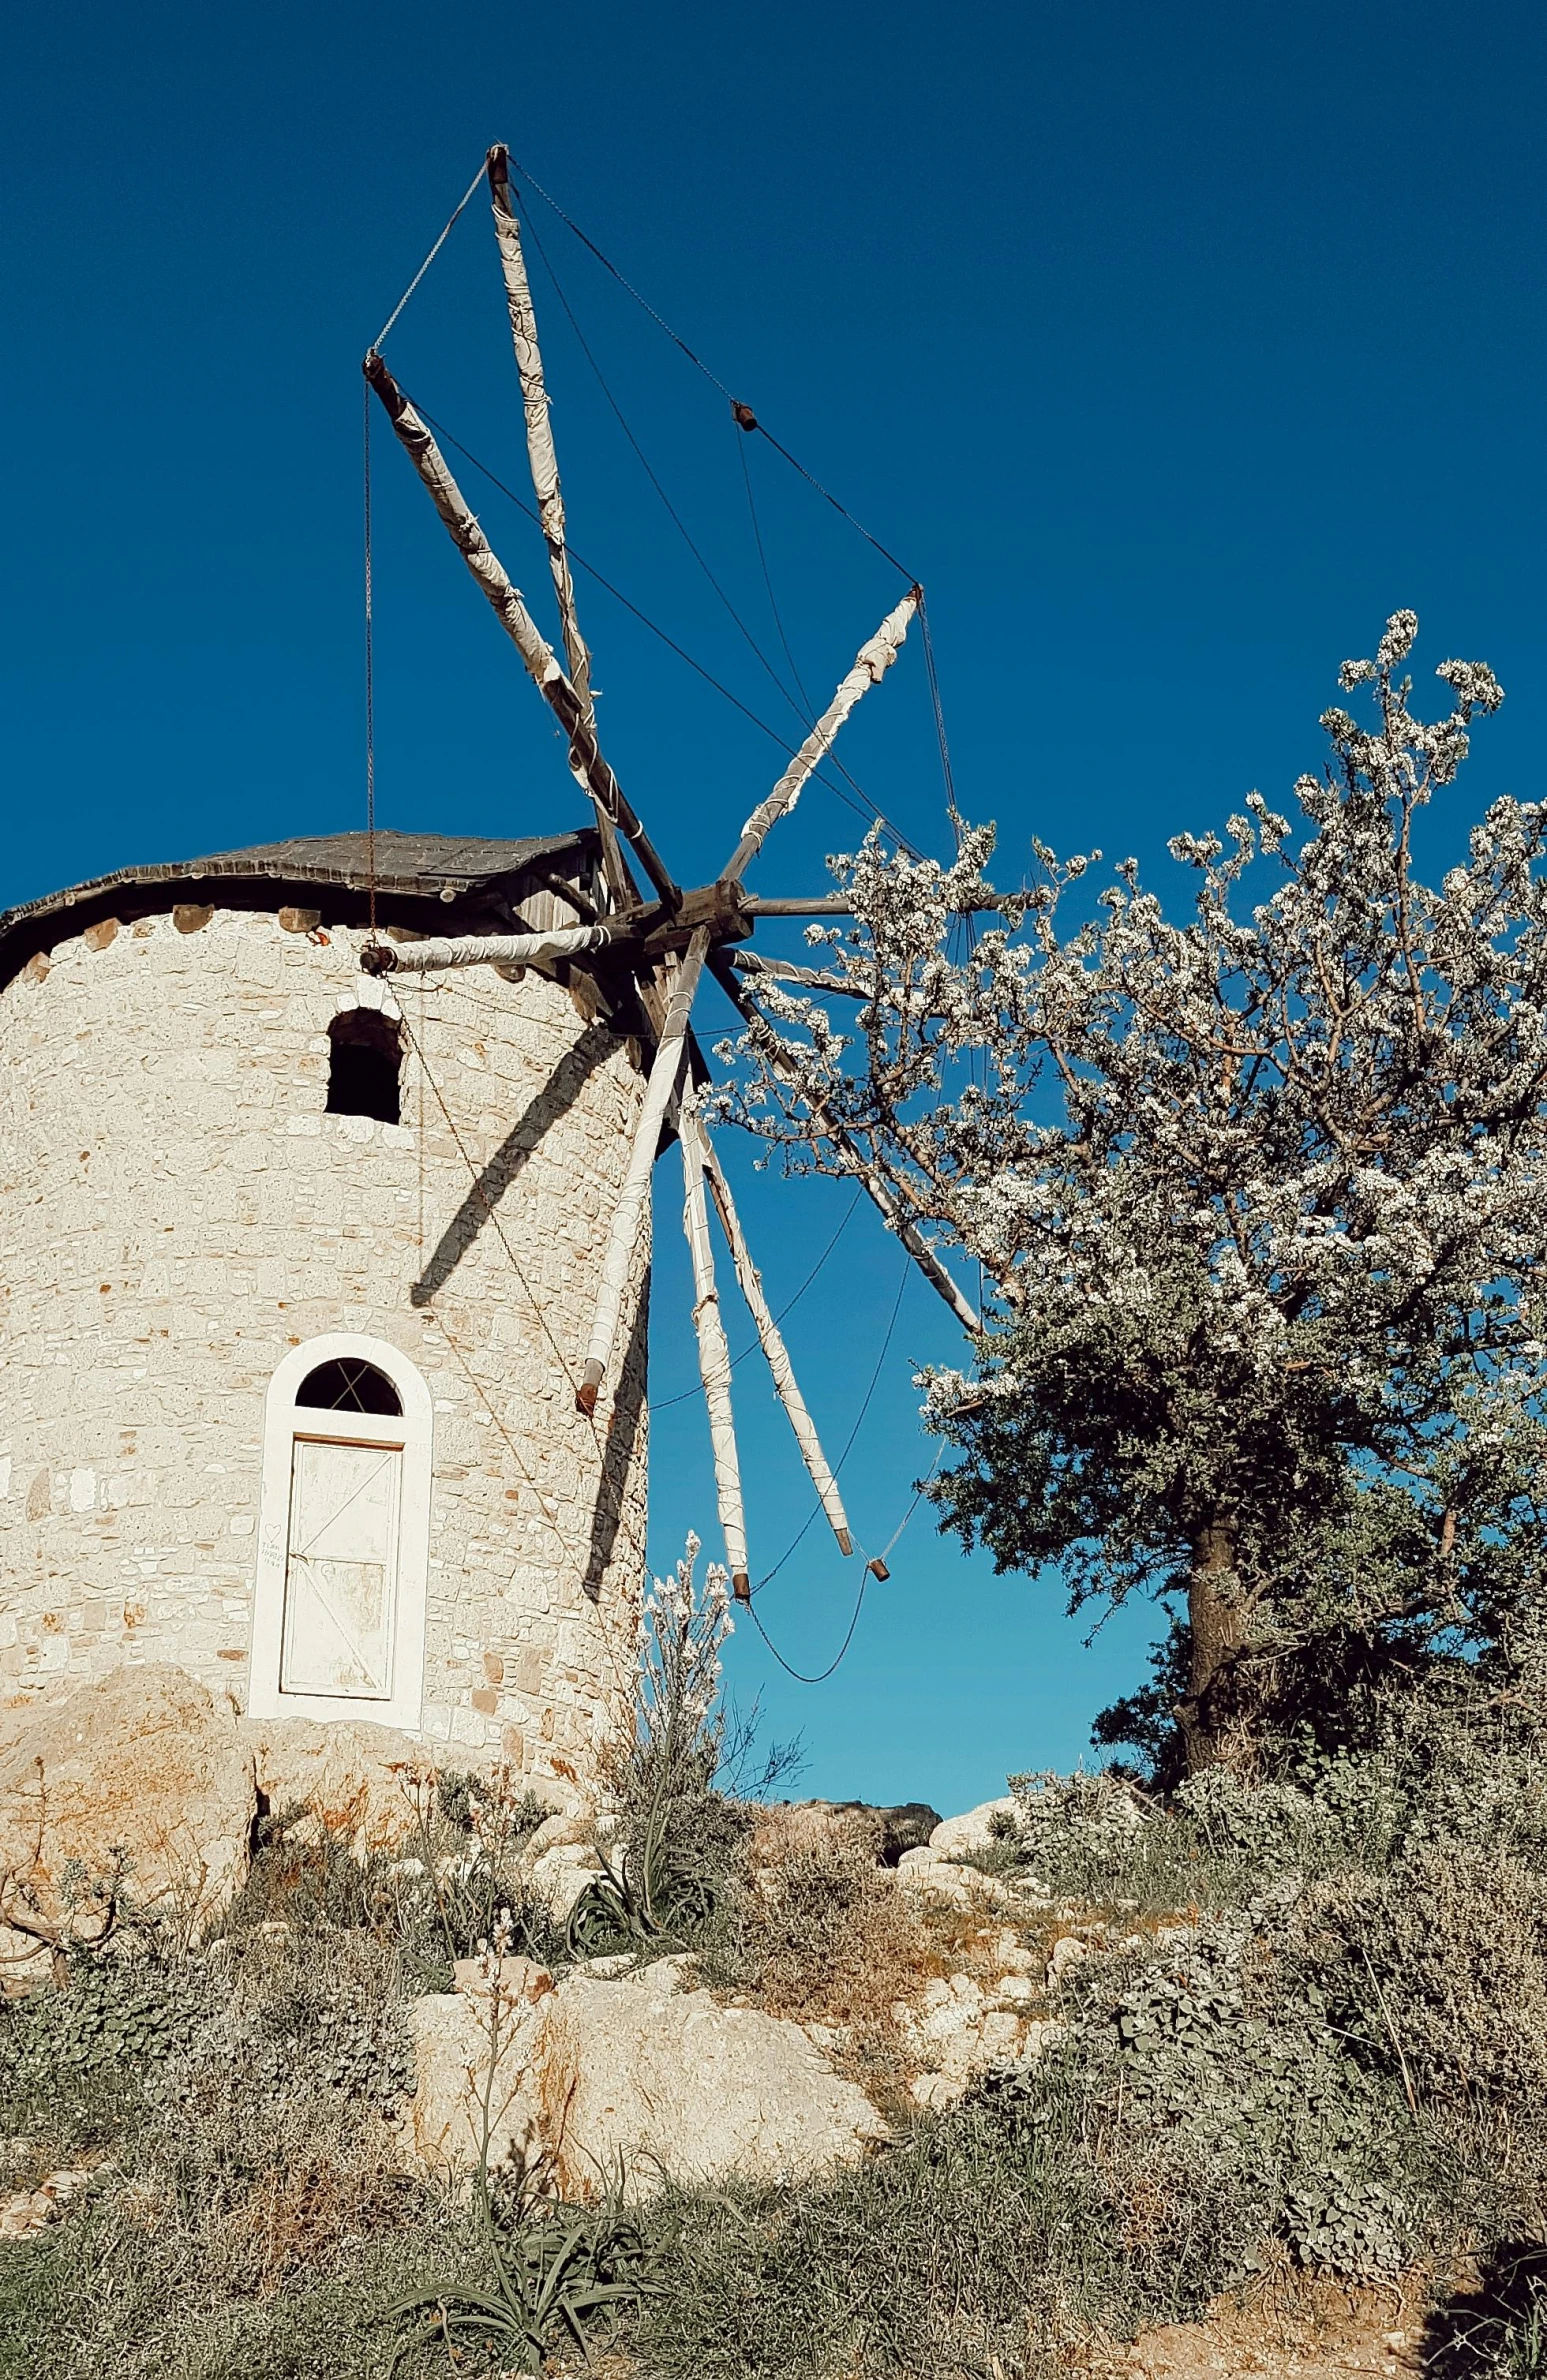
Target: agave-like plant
(560, 2274)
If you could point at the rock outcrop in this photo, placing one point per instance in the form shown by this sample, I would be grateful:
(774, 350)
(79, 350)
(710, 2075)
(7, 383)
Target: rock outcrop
(630, 2077)
(356, 1778)
(140, 1778)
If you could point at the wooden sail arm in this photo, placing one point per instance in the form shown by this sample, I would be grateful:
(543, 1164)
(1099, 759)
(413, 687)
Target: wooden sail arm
(816, 979)
(488, 950)
(544, 463)
(756, 905)
(539, 428)
(508, 604)
(871, 665)
(714, 1358)
(875, 1183)
(770, 1338)
(627, 1216)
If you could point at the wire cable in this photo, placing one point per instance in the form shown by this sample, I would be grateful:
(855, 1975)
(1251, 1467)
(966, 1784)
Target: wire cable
(869, 809)
(744, 414)
(665, 1404)
(816, 1509)
(380, 339)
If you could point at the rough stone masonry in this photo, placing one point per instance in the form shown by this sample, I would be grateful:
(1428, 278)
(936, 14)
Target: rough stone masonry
(179, 1211)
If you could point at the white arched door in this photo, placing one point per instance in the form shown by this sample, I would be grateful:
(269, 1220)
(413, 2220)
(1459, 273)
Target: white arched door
(343, 1535)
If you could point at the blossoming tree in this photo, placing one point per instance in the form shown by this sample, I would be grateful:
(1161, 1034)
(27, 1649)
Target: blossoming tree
(1260, 1195)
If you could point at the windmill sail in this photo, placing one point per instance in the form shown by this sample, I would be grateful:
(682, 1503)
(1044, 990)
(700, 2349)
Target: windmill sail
(714, 1355)
(627, 1215)
(772, 1343)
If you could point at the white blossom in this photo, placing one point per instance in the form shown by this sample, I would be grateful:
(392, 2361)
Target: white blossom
(1311, 1110)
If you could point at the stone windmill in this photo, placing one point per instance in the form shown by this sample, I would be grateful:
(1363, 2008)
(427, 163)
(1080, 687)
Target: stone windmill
(658, 947)
(324, 1174)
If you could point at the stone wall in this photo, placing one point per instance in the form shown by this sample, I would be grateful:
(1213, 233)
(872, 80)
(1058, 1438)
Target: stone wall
(177, 1211)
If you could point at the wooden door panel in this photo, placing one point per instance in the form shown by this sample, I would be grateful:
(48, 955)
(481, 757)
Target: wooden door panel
(341, 1570)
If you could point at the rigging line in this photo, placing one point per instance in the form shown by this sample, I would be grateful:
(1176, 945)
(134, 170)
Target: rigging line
(370, 677)
(570, 1552)
(820, 1677)
(699, 364)
(488, 1204)
(803, 709)
(485, 1400)
(817, 1677)
(773, 604)
(939, 710)
(521, 174)
(977, 1067)
(677, 521)
(380, 339)
(808, 712)
(667, 1402)
(828, 497)
(878, 816)
(816, 1510)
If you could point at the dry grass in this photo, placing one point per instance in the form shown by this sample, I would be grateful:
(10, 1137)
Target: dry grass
(301, 2211)
(820, 1933)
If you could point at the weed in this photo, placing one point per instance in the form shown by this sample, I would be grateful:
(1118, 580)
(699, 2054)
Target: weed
(555, 2274)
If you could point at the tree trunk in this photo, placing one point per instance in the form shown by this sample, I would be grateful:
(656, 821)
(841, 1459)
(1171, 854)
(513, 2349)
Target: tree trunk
(1216, 1637)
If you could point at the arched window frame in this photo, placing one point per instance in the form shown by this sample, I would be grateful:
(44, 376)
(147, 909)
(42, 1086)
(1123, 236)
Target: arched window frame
(284, 1422)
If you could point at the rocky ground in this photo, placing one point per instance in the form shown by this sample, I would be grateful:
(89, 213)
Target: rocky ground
(880, 1965)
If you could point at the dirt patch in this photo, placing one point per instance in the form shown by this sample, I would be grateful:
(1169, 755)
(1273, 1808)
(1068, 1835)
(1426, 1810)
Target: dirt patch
(1291, 2330)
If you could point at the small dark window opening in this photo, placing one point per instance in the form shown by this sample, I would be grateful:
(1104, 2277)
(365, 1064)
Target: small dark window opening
(363, 1074)
(349, 1385)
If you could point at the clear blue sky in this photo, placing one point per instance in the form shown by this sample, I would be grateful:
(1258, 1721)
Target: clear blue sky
(1172, 348)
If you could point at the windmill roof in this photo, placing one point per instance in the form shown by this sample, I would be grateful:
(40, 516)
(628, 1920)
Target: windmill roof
(471, 879)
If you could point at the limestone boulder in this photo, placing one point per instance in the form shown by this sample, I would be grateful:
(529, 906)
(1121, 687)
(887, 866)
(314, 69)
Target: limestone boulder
(638, 2075)
(955, 2032)
(464, 2081)
(560, 1875)
(966, 1836)
(143, 1772)
(358, 1780)
(651, 2077)
(936, 1878)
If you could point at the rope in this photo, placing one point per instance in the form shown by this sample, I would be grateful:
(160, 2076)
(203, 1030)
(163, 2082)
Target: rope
(370, 676)
(665, 1404)
(745, 417)
(381, 336)
(877, 815)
